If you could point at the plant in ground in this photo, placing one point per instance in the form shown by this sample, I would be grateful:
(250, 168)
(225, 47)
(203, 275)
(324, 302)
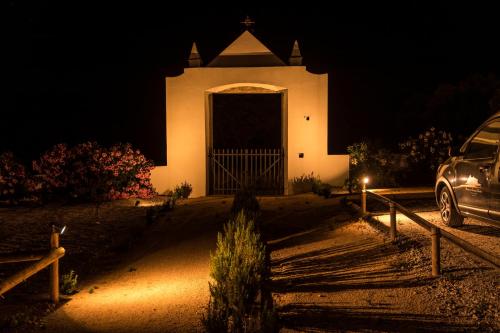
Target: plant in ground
(51, 169)
(91, 172)
(237, 267)
(69, 282)
(323, 189)
(245, 200)
(12, 178)
(305, 183)
(183, 190)
(381, 165)
(426, 152)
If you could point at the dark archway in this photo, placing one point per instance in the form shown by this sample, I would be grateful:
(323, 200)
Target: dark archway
(247, 121)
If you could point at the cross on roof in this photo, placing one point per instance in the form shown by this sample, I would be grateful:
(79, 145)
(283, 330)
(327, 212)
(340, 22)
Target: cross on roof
(248, 22)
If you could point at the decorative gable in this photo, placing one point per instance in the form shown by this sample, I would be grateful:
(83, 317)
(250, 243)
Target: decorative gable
(246, 51)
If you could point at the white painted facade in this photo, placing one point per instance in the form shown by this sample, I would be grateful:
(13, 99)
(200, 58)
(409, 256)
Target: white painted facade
(304, 116)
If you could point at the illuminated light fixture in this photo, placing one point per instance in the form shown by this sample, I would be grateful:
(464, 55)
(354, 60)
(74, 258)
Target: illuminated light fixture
(366, 180)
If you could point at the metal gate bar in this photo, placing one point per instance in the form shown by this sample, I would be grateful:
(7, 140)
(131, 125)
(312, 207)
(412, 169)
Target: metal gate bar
(261, 169)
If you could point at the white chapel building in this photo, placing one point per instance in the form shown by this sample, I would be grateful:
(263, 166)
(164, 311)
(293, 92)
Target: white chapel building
(247, 118)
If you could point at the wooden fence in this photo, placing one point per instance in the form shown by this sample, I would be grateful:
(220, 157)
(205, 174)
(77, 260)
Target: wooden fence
(52, 258)
(231, 169)
(435, 232)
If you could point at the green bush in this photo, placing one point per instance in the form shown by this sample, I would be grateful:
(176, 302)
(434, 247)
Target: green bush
(305, 183)
(183, 190)
(324, 190)
(68, 283)
(237, 268)
(381, 165)
(246, 201)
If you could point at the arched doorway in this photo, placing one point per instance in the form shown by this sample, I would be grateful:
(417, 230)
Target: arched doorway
(246, 138)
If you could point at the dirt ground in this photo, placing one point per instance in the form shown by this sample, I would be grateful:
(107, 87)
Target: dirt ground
(331, 272)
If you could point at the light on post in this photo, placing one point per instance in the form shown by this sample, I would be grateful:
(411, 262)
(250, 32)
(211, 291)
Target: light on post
(363, 195)
(366, 180)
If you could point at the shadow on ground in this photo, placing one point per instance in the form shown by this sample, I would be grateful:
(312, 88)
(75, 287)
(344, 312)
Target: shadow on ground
(481, 230)
(314, 268)
(331, 318)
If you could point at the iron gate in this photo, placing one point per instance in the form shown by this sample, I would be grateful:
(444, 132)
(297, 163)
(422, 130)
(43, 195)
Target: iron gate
(261, 169)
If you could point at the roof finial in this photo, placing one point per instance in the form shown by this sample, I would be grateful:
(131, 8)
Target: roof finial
(194, 58)
(295, 58)
(248, 23)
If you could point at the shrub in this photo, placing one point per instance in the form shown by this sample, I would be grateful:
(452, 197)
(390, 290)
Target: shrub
(52, 170)
(183, 190)
(380, 164)
(12, 177)
(429, 149)
(324, 190)
(237, 267)
(358, 154)
(88, 171)
(305, 183)
(68, 283)
(425, 153)
(246, 201)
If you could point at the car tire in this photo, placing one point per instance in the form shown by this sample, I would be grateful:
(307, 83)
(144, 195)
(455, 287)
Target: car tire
(449, 213)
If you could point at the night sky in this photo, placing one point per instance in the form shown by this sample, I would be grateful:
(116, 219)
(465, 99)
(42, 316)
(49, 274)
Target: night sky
(74, 72)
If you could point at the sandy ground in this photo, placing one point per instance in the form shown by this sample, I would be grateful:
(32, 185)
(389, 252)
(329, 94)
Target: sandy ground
(331, 273)
(163, 287)
(485, 236)
(349, 277)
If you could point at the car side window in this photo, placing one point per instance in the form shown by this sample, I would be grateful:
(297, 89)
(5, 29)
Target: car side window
(485, 143)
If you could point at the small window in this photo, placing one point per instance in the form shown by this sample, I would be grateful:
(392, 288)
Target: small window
(485, 143)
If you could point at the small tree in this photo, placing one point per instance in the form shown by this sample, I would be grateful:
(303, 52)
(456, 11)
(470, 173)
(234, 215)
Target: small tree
(237, 267)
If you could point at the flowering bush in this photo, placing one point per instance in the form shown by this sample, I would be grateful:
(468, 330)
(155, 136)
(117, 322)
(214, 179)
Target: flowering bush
(51, 169)
(424, 154)
(12, 177)
(91, 172)
(429, 149)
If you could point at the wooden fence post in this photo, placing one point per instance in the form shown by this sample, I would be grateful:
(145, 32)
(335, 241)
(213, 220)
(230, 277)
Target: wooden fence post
(363, 199)
(393, 232)
(54, 268)
(436, 251)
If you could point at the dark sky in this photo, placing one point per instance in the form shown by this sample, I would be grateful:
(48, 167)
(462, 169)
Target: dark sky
(74, 71)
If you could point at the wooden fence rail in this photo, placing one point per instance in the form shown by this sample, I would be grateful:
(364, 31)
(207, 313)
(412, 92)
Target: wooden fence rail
(436, 233)
(51, 259)
(13, 258)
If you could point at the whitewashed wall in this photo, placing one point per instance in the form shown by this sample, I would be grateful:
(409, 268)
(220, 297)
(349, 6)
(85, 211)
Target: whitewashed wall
(186, 109)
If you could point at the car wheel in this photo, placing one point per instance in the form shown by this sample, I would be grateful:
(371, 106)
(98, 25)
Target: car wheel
(449, 213)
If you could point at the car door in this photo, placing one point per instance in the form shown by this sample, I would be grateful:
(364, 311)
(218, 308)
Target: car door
(476, 169)
(494, 209)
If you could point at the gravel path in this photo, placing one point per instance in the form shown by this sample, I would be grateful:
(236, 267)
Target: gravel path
(331, 272)
(344, 275)
(483, 235)
(161, 287)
